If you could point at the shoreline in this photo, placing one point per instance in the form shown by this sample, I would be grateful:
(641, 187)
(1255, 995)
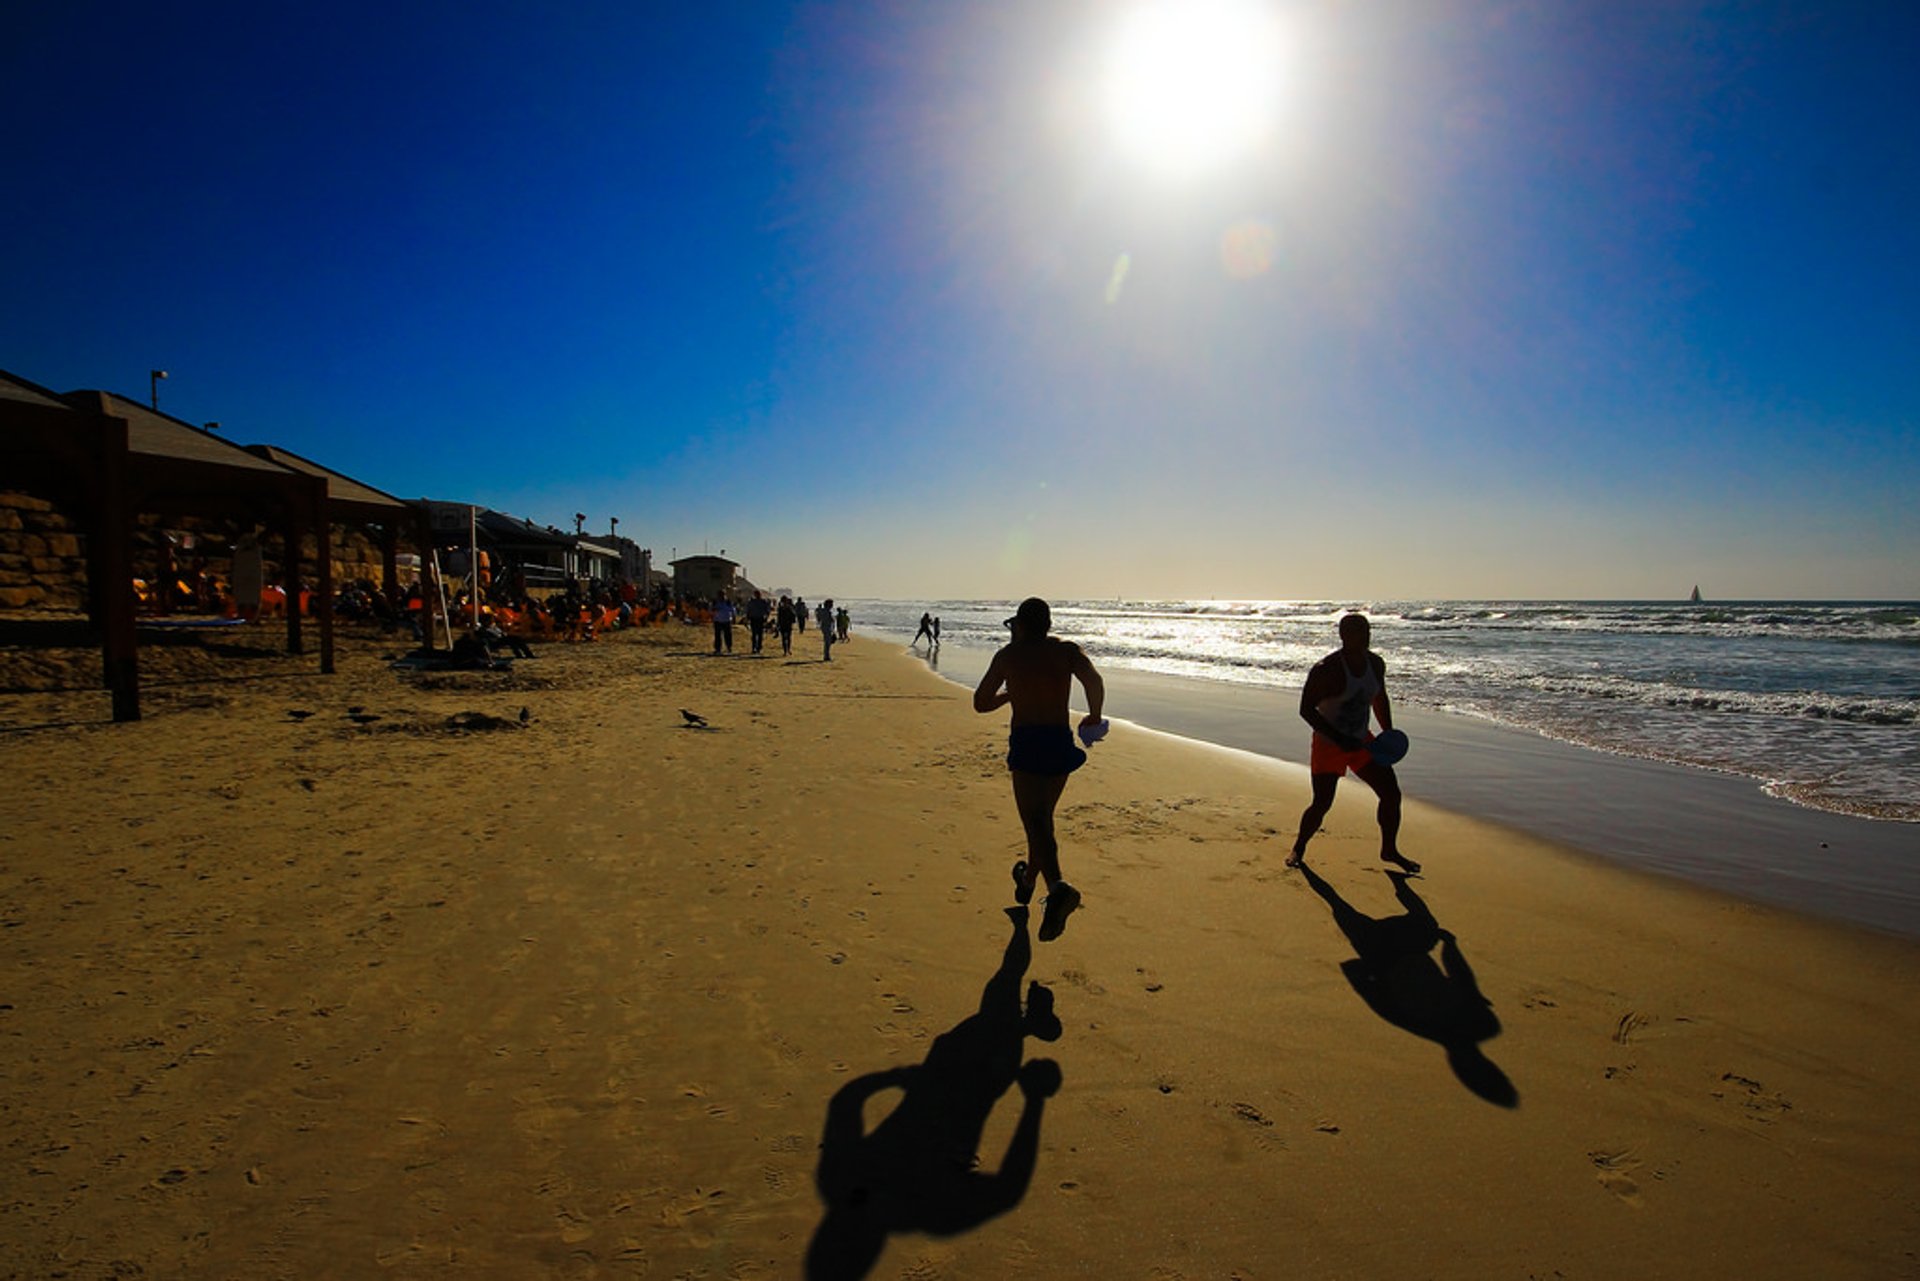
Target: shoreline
(1719, 830)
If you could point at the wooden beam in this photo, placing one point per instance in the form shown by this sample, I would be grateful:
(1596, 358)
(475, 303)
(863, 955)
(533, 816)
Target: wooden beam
(390, 560)
(113, 532)
(290, 532)
(323, 548)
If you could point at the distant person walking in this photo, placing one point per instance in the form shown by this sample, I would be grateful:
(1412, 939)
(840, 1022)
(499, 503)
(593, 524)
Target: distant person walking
(757, 610)
(1035, 673)
(824, 617)
(783, 623)
(842, 620)
(1342, 691)
(800, 613)
(926, 630)
(722, 623)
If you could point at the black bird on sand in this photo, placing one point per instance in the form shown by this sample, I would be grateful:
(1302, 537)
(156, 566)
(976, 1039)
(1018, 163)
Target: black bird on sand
(694, 719)
(525, 716)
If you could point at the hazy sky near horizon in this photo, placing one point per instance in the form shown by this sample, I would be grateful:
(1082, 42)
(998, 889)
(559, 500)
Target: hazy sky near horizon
(1503, 300)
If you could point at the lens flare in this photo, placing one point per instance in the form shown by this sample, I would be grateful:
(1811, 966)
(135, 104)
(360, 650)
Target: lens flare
(1247, 249)
(1118, 279)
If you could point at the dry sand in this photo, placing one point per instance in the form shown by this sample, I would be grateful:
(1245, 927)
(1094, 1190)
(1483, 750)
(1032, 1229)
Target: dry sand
(387, 992)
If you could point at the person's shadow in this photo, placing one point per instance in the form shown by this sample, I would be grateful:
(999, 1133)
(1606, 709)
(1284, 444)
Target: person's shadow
(917, 1170)
(1395, 974)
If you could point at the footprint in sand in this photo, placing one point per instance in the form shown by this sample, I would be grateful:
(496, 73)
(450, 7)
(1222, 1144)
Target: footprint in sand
(1759, 1103)
(1252, 1115)
(1615, 1172)
(1080, 979)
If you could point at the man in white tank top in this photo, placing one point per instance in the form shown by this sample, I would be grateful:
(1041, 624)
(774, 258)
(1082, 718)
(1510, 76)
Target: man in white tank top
(1342, 691)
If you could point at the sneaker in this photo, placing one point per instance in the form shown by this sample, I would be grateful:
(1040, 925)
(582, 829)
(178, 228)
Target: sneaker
(1060, 905)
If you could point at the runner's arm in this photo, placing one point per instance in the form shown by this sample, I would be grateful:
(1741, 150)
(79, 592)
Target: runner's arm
(1096, 689)
(1382, 705)
(990, 695)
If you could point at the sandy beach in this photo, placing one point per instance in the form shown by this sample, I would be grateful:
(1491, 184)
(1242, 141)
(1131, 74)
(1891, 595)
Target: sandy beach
(364, 976)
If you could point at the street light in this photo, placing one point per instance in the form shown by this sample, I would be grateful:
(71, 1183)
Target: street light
(213, 426)
(153, 385)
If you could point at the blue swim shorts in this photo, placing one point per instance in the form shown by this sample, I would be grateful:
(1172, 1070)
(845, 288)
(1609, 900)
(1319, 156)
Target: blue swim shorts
(1043, 749)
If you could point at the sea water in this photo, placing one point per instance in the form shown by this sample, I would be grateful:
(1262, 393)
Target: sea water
(1817, 702)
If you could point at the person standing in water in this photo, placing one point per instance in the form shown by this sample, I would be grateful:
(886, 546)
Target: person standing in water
(1342, 691)
(1035, 673)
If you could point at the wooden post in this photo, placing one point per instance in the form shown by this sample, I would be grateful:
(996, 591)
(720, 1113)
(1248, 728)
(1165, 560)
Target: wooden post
(323, 546)
(290, 570)
(390, 559)
(113, 533)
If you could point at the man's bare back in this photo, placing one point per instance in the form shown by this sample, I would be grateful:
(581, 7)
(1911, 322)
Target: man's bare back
(1038, 675)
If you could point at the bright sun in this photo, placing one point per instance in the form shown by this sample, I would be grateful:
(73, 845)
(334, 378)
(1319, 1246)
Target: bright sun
(1191, 84)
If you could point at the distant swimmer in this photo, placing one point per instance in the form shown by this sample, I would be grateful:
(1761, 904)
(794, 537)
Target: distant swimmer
(1035, 673)
(1342, 691)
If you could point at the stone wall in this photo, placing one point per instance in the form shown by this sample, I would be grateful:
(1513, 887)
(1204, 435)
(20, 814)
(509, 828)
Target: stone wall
(43, 562)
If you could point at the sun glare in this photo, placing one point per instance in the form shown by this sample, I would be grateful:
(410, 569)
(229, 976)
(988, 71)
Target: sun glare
(1192, 84)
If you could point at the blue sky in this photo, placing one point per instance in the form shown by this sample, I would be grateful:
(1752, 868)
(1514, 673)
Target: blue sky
(1526, 300)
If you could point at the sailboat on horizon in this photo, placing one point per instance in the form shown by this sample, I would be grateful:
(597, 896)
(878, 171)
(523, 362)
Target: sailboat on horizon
(1695, 598)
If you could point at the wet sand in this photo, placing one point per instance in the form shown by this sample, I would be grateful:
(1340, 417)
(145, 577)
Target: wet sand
(1713, 829)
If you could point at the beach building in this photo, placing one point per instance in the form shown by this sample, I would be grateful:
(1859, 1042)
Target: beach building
(701, 577)
(636, 562)
(598, 559)
(545, 558)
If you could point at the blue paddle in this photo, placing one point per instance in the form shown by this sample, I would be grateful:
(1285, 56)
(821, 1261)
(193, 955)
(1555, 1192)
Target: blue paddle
(1389, 748)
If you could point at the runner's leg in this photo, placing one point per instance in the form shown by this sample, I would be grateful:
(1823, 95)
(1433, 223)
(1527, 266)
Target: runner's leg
(1386, 786)
(1324, 786)
(1036, 796)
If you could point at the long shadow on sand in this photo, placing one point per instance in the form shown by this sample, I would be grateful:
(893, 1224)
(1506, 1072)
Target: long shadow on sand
(916, 1171)
(1395, 974)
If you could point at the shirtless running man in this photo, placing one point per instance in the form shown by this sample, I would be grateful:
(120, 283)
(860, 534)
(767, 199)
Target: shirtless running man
(1035, 673)
(1341, 691)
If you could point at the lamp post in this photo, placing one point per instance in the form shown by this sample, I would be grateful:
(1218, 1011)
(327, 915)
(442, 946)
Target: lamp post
(213, 427)
(153, 387)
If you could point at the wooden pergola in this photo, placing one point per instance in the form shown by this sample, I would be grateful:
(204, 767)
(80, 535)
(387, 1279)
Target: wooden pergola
(350, 500)
(108, 459)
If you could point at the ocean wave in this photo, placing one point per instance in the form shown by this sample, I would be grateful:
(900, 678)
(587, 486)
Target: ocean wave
(1785, 704)
(1845, 800)
(1896, 622)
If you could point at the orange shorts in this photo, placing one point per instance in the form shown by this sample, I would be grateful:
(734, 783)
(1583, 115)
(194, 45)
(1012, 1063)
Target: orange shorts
(1328, 757)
